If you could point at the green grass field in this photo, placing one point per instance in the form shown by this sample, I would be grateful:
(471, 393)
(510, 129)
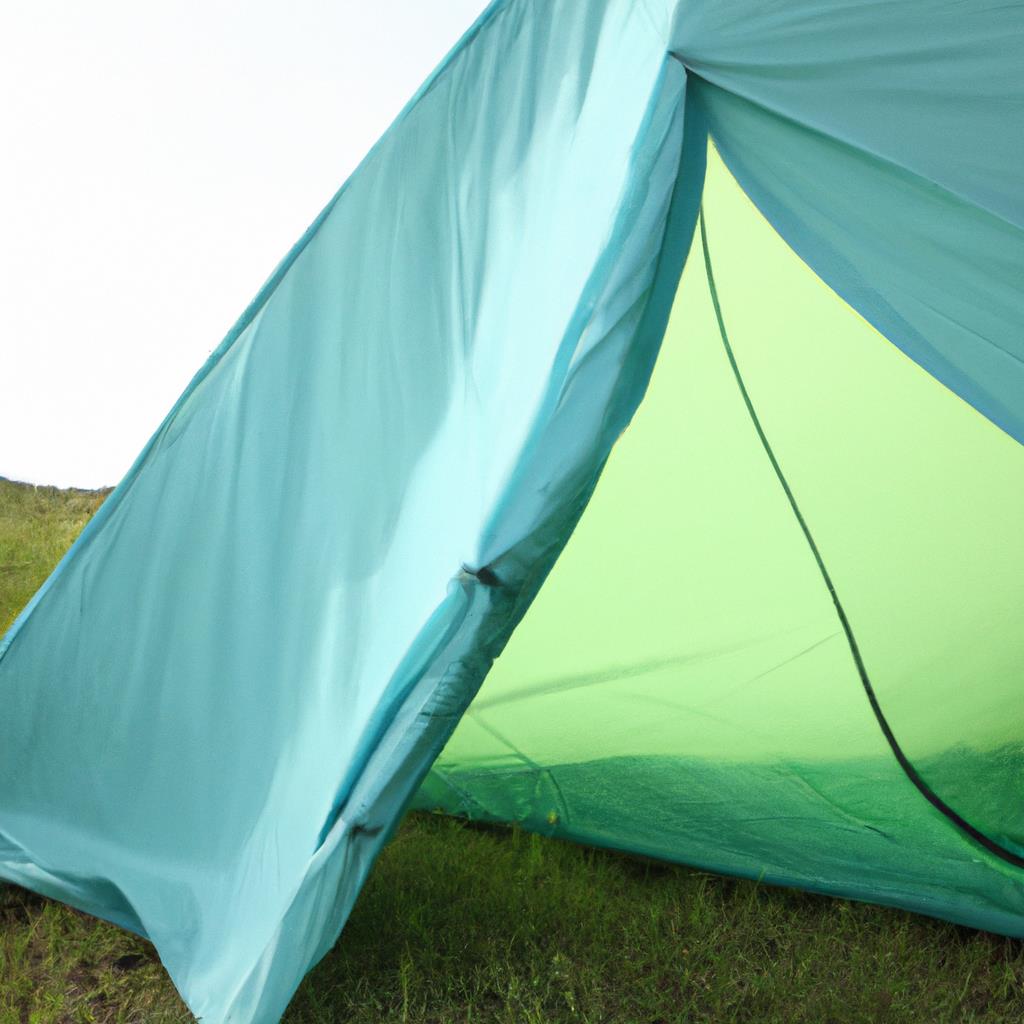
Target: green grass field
(466, 924)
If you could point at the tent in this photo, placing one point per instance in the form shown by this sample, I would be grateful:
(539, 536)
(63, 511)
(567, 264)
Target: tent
(783, 639)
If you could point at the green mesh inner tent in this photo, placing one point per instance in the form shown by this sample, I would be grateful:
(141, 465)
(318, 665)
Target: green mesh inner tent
(632, 449)
(797, 513)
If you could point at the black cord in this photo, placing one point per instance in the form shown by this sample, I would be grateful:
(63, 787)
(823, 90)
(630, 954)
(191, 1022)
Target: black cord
(911, 772)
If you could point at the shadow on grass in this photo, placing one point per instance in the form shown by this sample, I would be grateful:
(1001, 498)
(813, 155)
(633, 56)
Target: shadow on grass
(463, 923)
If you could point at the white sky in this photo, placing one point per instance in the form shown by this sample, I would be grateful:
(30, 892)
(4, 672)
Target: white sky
(157, 159)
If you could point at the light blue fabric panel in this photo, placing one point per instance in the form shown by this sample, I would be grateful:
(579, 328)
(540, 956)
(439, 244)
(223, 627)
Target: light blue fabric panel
(217, 706)
(885, 143)
(932, 86)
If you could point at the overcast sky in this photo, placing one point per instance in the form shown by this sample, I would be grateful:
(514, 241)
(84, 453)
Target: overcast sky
(157, 159)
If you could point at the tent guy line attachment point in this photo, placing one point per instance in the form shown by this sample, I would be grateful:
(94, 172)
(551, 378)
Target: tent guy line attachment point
(484, 574)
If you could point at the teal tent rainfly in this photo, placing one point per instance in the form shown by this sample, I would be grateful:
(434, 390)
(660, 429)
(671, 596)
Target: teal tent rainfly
(782, 243)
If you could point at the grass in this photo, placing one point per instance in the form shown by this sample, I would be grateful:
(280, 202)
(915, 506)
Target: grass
(37, 525)
(494, 926)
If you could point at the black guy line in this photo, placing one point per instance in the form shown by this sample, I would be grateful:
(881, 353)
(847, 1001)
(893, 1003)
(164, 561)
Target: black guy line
(911, 772)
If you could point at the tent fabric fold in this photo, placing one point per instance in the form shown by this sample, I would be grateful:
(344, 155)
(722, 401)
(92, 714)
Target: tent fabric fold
(219, 704)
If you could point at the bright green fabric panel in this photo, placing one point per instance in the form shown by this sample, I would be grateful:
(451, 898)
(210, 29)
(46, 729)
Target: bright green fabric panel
(915, 501)
(681, 685)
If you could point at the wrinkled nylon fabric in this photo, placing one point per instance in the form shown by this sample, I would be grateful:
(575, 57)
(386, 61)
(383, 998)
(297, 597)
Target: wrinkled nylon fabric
(218, 705)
